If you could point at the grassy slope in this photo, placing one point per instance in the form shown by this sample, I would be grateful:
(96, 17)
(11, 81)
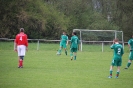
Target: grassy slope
(44, 69)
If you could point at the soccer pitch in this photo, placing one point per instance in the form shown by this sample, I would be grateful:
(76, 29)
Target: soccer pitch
(45, 69)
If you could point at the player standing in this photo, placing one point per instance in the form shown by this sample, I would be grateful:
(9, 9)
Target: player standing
(74, 45)
(117, 58)
(63, 43)
(130, 45)
(21, 45)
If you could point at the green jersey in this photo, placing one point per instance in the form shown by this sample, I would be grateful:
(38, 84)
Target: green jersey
(64, 39)
(74, 41)
(130, 42)
(118, 51)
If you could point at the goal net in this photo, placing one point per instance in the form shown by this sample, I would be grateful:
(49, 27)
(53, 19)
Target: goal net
(97, 37)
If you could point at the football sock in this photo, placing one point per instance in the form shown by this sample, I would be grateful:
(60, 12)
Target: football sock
(74, 57)
(20, 63)
(128, 64)
(117, 73)
(110, 72)
(66, 52)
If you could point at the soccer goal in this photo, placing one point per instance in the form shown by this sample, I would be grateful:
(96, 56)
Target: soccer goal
(98, 37)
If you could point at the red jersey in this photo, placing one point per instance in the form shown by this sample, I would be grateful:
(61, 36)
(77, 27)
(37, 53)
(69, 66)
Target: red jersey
(21, 39)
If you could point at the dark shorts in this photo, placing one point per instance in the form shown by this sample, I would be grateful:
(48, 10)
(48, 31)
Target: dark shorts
(131, 55)
(116, 62)
(63, 45)
(74, 50)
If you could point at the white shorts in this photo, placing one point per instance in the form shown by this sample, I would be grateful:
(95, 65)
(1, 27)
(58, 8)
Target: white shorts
(21, 50)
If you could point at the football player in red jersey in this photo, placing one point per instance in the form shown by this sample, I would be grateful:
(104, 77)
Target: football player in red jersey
(21, 45)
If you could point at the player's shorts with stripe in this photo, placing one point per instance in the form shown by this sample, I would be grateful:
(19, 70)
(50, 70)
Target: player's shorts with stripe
(131, 55)
(63, 45)
(21, 50)
(117, 62)
(74, 49)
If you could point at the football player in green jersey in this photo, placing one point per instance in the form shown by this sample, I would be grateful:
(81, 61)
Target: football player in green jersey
(74, 45)
(117, 57)
(130, 45)
(63, 43)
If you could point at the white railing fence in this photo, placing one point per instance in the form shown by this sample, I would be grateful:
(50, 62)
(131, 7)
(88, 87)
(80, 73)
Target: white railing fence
(38, 41)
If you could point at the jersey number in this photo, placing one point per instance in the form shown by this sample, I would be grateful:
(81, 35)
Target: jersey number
(119, 51)
(20, 38)
(75, 41)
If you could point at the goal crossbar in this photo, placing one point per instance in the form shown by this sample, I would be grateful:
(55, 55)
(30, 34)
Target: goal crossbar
(95, 30)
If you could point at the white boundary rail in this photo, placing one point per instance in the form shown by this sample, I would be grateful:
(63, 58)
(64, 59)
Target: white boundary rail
(38, 41)
(44, 40)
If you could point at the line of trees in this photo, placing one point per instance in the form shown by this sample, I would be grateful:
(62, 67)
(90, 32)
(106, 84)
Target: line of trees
(48, 18)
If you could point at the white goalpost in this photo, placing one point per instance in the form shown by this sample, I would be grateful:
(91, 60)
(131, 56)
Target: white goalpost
(98, 36)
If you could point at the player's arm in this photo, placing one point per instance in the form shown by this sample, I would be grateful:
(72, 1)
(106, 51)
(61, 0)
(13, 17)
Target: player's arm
(129, 45)
(70, 42)
(26, 40)
(78, 42)
(15, 44)
(122, 52)
(67, 41)
(112, 46)
(60, 38)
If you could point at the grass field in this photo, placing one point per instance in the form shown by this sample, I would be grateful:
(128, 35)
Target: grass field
(44, 69)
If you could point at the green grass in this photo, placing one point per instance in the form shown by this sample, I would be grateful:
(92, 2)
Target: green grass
(44, 69)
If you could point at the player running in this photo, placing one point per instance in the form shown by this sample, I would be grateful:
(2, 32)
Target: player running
(130, 45)
(117, 58)
(21, 45)
(74, 45)
(63, 43)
